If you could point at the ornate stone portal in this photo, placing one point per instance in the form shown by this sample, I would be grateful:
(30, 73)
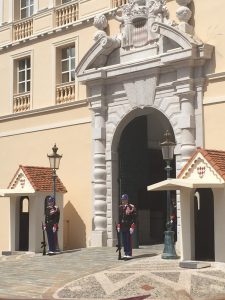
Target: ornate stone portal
(152, 65)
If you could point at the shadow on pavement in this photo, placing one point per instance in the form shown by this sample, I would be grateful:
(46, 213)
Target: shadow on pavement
(67, 251)
(137, 297)
(144, 255)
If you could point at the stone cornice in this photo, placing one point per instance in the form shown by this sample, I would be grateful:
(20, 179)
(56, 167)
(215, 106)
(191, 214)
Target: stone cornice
(183, 40)
(45, 127)
(170, 61)
(45, 110)
(214, 100)
(87, 21)
(216, 76)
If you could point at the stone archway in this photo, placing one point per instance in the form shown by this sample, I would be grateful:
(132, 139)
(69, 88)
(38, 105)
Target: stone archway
(137, 161)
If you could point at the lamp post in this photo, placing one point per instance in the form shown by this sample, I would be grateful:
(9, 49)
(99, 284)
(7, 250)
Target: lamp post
(54, 160)
(168, 153)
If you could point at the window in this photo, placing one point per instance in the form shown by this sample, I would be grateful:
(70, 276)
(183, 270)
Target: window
(26, 8)
(24, 202)
(23, 75)
(65, 1)
(68, 64)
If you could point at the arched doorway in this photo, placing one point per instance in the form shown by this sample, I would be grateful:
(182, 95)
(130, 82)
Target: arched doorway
(141, 164)
(204, 224)
(24, 224)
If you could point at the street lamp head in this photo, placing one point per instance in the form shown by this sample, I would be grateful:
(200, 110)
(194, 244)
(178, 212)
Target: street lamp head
(167, 147)
(54, 158)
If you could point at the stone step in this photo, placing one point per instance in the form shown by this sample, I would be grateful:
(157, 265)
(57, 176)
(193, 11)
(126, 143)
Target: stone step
(190, 264)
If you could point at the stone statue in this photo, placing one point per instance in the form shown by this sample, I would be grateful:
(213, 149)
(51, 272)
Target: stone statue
(100, 22)
(127, 27)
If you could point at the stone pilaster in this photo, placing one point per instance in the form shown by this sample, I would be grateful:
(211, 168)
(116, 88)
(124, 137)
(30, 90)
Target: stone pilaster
(187, 125)
(99, 233)
(50, 3)
(11, 8)
(199, 87)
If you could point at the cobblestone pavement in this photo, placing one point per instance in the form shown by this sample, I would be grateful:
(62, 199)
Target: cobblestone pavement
(95, 273)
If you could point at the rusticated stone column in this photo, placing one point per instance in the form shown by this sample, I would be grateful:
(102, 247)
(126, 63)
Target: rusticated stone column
(187, 125)
(99, 233)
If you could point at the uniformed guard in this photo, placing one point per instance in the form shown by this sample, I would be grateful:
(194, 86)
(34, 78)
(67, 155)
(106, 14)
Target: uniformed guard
(52, 215)
(126, 225)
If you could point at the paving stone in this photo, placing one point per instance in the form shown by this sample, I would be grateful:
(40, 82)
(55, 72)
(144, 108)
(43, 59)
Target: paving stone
(173, 276)
(96, 273)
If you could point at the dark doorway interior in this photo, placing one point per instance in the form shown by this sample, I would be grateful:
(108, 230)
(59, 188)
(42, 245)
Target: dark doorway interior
(24, 224)
(204, 225)
(140, 166)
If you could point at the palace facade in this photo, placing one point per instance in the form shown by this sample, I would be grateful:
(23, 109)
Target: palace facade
(104, 80)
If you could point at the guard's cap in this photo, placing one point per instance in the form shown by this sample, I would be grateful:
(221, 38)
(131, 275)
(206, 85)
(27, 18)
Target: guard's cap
(124, 197)
(50, 199)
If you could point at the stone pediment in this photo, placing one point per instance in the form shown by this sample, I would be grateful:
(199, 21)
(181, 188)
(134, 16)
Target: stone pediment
(155, 39)
(98, 54)
(205, 166)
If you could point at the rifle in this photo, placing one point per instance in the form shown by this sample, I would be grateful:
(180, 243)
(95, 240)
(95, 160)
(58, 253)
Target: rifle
(43, 243)
(118, 244)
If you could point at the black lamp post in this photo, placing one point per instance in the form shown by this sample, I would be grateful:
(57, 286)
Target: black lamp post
(168, 153)
(54, 160)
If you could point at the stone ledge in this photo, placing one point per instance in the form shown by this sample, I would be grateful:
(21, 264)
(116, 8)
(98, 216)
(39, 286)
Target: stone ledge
(194, 264)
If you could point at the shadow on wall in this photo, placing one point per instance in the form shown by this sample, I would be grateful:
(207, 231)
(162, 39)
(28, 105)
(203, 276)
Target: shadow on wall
(74, 229)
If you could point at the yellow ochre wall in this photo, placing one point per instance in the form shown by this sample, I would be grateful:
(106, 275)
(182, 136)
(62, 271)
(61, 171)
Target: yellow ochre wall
(27, 139)
(74, 144)
(209, 26)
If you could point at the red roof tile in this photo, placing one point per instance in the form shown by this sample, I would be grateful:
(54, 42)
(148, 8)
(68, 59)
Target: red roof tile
(41, 179)
(216, 158)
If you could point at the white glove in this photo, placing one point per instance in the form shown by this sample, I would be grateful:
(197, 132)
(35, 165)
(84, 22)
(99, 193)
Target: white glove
(118, 229)
(131, 230)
